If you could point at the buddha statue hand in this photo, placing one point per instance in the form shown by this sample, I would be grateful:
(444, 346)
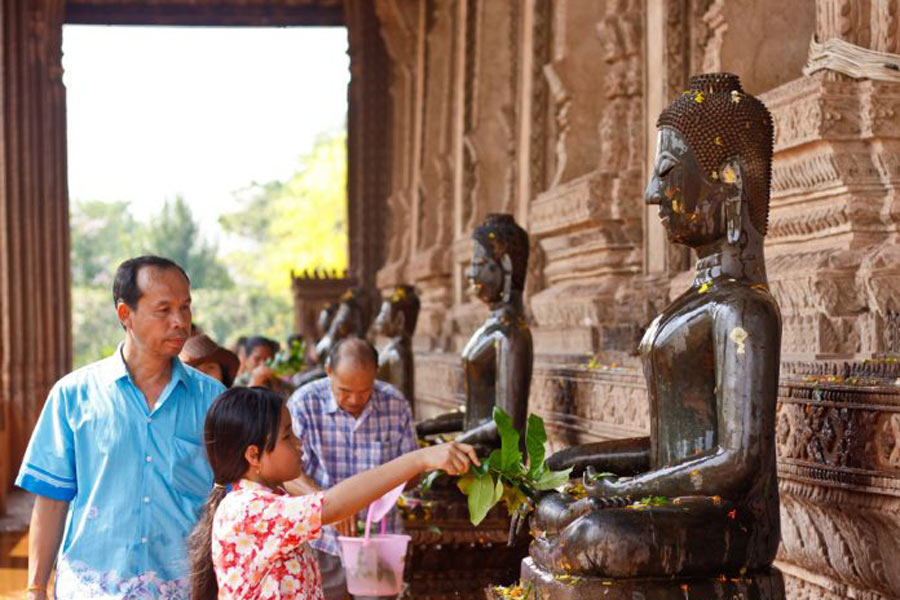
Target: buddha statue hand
(600, 485)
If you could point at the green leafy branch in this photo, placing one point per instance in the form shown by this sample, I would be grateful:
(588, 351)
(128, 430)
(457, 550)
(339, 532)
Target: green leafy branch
(509, 476)
(289, 361)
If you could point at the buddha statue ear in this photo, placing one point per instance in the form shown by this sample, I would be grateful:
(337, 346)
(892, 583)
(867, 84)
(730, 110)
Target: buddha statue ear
(506, 265)
(730, 176)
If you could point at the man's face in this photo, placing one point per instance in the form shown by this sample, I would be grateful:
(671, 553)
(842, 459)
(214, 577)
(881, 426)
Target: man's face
(161, 321)
(258, 356)
(352, 386)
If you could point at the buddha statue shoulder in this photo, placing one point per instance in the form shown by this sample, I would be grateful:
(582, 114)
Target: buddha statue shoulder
(397, 321)
(497, 360)
(711, 363)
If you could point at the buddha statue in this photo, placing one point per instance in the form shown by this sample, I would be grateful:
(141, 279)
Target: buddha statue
(711, 363)
(497, 360)
(344, 319)
(397, 320)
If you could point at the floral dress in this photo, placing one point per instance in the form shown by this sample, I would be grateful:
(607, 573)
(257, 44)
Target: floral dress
(259, 544)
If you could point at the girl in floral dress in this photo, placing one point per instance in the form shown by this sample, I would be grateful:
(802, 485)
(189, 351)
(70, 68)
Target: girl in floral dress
(251, 542)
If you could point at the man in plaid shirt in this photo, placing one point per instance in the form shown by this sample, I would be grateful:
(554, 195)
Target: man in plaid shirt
(349, 423)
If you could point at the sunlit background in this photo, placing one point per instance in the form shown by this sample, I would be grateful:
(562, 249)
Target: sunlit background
(222, 148)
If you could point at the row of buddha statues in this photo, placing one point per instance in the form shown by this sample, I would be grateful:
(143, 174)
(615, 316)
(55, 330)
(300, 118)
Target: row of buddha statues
(710, 360)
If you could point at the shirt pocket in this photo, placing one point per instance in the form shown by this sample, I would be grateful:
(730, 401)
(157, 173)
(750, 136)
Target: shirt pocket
(191, 474)
(374, 453)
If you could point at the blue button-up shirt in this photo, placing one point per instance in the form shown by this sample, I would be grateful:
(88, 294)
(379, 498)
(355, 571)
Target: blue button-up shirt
(337, 445)
(135, 480)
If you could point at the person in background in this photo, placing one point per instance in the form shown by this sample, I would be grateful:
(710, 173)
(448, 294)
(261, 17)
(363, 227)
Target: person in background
(240, 349)
(259, 350)
(203, 354)
(350, 423)
(116, 460)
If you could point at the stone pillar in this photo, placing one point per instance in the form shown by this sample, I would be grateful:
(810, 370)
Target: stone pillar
(368, 154)
(35, 320)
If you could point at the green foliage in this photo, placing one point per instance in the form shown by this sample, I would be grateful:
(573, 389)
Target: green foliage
(102, 234)
(174, 233)
(297, 224)
(290, 360)
(505, 477)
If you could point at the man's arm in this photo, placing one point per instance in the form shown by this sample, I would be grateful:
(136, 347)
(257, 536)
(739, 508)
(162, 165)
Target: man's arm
(48, 518)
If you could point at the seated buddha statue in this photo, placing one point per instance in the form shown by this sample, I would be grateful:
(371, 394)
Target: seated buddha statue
(711, 362)
(497, 359)
(397, 320)
(346, 318)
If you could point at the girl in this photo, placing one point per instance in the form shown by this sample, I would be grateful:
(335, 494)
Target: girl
(251, 540)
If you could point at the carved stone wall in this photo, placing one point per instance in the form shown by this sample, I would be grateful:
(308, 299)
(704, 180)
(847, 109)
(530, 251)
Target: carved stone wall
(554, 121)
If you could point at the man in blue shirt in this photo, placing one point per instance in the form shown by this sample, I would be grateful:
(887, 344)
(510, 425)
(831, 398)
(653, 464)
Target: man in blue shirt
(116, 459)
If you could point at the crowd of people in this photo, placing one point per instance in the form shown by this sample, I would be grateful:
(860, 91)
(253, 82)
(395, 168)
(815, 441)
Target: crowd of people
(178, 469)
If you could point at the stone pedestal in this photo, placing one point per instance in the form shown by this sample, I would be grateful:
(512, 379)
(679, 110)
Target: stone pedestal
(544, 586)
(449, 558)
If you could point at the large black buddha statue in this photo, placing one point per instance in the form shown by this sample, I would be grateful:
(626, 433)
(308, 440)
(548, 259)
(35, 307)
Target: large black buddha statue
(711, 362)
(397, 321)
(497, 360)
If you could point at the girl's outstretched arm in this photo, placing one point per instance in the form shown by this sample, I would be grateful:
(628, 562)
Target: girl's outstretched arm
(353, 494)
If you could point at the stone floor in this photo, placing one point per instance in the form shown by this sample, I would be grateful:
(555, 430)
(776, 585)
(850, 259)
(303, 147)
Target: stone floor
(14, 546)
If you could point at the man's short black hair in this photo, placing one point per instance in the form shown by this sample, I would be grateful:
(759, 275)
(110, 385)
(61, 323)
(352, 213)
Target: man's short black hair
(361, 349)
(256, 341)
(125, 285)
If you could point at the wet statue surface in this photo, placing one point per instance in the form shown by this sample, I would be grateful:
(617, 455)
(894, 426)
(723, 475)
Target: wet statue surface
(711, 363)
(397, 320)
(498, 358)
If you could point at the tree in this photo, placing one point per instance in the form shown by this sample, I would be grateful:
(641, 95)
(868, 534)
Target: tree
(103, 233)
(175, 234)
(297, 224)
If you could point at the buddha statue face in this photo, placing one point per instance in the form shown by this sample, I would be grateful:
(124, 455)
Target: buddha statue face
(499, 259)
(486, 275)
(713, 164)
(691, 205)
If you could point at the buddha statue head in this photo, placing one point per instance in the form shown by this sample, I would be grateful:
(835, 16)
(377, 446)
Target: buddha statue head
(399, 313)
(499, 260)
(713, 166)
(349, 320)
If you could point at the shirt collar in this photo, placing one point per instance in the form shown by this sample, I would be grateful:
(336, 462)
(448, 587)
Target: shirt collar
(246, 484)
(114, 368)
(331, 405)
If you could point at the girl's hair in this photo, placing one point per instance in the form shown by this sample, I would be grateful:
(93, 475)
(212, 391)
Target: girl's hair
(238, 418)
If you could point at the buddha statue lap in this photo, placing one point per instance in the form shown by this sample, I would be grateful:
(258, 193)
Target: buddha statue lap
(397, 320)
(711, 362)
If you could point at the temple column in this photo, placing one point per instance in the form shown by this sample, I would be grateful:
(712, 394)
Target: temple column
(35, 344)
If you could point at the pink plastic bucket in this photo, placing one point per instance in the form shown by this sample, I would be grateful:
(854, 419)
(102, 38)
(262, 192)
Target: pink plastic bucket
(374, 565)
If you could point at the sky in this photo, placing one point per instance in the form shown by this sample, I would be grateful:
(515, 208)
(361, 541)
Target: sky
(154, 112)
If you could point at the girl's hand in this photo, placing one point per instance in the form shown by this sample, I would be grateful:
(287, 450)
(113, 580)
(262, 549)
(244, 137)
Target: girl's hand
(452, 457)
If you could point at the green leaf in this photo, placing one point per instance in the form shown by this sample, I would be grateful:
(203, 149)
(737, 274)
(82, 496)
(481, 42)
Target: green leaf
(552, 480)
(482, 493)
(495, 460)
(510, 455)
(465, 482)
(535, 438)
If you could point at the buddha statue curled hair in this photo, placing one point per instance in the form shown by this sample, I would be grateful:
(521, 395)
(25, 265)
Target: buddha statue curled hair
(720, 121)
(500, 234)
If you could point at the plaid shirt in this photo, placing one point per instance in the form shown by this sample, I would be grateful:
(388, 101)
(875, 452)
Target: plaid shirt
(337, 446)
